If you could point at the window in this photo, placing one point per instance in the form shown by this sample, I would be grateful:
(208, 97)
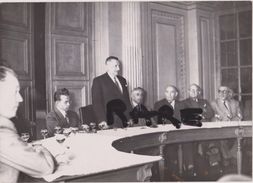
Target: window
(236, 57)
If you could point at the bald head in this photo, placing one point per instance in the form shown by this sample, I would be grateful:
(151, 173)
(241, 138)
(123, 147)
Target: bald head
(171, 93)
(194, 91)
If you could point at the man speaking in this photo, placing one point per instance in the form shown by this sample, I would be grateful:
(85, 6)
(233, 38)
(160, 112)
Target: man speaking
(110, 87)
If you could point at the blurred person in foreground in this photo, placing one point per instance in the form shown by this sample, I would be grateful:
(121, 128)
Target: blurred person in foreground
(15, 155)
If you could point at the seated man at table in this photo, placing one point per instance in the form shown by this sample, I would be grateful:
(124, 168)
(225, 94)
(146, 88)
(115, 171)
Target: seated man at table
(139, 109)
(15, 155)
(170, 100)
(227, 109)
(195, 100)
(61, 115)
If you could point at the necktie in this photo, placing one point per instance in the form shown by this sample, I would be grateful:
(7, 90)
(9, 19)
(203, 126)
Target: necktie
(139, 107)
(117, 84)
(67, 118)
(228, 110)
(225, 104)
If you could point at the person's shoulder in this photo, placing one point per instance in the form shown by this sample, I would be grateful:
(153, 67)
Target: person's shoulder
(100, 77)
(187, 100)
(121, 78)
(160, 102)
(6, 124)
(202, 100)
(73, 113)
(215, 101)
(51, 114)
(235, 102)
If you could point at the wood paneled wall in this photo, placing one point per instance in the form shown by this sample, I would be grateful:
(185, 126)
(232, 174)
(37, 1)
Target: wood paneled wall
(16, 48)
(69, 51)
(163, 50)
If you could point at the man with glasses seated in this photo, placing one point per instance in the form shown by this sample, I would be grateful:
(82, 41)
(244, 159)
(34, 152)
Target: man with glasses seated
(227, 109)
(61, 115)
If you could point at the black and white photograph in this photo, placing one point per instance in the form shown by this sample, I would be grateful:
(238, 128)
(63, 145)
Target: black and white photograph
(125, 91)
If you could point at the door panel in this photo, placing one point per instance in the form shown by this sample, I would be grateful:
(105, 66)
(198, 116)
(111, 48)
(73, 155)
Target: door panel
(69, 51)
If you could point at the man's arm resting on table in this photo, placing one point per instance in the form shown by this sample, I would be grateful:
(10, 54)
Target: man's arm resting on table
(35, 162)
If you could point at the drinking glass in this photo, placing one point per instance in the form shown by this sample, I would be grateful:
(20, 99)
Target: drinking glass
(66, 131)
(25, 136)
(44, 133)
(85, 128)
(74, 130)
(57, 130)
(60, 138)
(93, 127)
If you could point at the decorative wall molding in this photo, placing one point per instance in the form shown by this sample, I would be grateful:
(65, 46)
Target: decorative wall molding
(16, 50)
(15, 17)
(69, 54)
(70, 18)
(178, 22)
(70, 58)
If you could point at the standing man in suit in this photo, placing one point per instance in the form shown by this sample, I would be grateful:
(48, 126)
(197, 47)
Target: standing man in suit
(61, 115)
(110, 87)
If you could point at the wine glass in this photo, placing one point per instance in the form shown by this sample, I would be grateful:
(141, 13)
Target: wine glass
(85, 128)
(57, 130)
(93, 127)
(60, 138)
(74, 130)
(25, 136)
(66, 131)
(44, 133)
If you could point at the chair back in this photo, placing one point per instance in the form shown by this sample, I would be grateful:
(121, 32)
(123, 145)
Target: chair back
(87, 114)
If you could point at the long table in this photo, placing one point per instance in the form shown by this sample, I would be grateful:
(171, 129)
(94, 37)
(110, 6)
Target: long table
(105, 156)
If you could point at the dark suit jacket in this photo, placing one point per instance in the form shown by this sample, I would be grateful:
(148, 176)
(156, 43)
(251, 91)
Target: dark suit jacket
(55, 118)
(178, 107)
(208, 112)
(104, 90)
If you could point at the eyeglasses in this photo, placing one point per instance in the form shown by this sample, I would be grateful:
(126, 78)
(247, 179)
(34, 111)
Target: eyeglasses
(223, 91)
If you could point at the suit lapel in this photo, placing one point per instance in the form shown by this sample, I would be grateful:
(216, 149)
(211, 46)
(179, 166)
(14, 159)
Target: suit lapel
(61, 120)
(113, 85)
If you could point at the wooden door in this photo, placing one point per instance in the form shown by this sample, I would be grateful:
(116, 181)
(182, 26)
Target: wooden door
(16, 48)
(163, 49)
(69, 51)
